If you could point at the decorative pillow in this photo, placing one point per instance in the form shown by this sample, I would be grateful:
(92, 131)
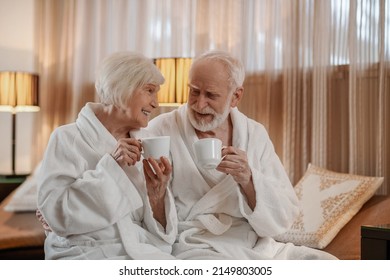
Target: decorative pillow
(25, 196)
(327, 200)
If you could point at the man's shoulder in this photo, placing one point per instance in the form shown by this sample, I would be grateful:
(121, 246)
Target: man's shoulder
(250, 122)
(163, 118)
(256, 124)
(163, 122)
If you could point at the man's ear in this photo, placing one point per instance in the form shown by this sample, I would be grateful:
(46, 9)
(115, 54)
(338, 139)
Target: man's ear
(236, 97)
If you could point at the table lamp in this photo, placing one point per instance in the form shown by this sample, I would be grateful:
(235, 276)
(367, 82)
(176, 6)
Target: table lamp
(175, 89)
(18, 112)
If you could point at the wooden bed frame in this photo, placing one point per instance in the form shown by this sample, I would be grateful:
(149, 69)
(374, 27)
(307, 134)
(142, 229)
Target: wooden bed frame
(21, 235)
(347, 243)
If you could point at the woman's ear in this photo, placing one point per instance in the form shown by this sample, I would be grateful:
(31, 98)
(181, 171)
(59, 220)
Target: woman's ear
(236, 97)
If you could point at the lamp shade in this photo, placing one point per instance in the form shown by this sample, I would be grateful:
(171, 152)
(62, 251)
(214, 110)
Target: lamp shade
(175, 89)
(18, 89)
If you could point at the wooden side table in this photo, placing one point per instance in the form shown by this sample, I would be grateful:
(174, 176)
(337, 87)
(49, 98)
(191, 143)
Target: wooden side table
(22, 236)
(375, 242)
(8, 184)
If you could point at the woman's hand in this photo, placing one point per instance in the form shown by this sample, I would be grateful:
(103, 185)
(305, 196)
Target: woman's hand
(157, 175)
(235, 162)
(127, 151)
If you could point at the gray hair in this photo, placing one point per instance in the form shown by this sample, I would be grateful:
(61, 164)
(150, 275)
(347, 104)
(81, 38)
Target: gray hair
(234, 67)
(121, 73)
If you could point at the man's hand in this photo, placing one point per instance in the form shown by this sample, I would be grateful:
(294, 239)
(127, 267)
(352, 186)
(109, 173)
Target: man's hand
(235, 162)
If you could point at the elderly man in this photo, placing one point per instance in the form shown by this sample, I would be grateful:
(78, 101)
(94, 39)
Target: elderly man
(233, 211)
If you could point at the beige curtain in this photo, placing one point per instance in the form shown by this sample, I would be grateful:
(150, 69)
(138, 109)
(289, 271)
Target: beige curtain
(327, 102)
(73, 36)
(318, 71)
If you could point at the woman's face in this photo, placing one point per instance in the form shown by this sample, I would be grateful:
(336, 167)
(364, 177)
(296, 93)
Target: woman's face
(141, 104)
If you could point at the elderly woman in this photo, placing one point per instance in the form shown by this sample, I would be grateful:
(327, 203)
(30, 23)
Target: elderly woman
(96, 195)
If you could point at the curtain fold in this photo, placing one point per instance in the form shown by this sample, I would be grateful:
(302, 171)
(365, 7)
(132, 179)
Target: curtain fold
(317, 71)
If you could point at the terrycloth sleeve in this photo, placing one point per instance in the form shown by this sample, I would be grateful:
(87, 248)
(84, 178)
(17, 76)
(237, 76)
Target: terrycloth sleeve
(169, 233)
(78, 192)
(276, 202)
(149, 222)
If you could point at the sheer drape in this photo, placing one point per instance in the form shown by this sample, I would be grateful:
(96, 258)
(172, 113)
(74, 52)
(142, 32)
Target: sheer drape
(318, 71)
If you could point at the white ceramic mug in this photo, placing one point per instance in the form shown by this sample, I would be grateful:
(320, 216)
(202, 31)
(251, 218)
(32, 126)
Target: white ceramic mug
(156, 147)
(208, 152)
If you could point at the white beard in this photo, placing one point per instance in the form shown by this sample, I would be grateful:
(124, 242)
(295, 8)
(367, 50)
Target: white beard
(202, 125)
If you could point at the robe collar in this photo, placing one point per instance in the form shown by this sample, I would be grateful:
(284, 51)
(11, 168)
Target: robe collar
(93, 131)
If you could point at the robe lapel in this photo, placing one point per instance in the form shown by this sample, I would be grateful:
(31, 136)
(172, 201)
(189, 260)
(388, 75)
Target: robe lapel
(210, 177)
(213, 198)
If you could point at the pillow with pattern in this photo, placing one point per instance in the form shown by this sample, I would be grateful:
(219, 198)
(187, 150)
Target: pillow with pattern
(327, 200)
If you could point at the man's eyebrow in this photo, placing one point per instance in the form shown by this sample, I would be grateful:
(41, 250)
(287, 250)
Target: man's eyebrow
(192, 86)
(211, 90)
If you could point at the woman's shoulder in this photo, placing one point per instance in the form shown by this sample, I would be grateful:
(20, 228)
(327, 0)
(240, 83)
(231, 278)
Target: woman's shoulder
(65, 129)
(65, 132)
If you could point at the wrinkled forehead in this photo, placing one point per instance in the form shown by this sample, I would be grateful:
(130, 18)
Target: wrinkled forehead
(210, 75)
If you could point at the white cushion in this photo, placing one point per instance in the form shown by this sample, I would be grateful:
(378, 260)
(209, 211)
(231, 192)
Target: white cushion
(25, 196)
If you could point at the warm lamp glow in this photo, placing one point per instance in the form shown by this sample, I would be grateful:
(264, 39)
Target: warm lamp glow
(175, 89)
(18, 89)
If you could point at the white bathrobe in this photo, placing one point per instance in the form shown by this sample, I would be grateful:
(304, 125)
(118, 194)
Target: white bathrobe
(215, 221)
(96, 209)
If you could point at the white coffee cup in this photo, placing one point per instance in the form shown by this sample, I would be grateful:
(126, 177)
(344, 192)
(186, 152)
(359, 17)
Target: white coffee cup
(208, 152)
(156, 147)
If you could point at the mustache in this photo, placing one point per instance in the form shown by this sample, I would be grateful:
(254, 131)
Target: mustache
(205, 111)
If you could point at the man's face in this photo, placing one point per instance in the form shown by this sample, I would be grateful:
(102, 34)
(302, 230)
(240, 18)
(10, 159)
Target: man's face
(209, 99)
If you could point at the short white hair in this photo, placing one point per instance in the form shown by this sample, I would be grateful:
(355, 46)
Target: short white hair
(234, 67)
(121, 73)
